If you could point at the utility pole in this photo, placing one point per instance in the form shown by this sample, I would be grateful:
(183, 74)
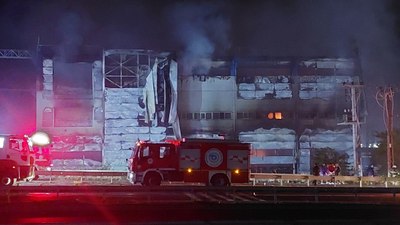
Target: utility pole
(355, 123)
(386, 94)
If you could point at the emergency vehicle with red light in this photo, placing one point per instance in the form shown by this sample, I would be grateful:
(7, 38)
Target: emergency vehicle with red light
(17, 157)
(208, 161)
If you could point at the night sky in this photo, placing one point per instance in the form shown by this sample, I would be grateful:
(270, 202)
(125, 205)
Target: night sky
(324, 28)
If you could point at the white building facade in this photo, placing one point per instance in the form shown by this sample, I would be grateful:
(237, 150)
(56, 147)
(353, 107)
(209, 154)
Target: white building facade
(284, 107)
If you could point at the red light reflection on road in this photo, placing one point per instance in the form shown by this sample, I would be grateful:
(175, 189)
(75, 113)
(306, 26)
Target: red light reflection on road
(98, 202)
(47, 220)
(41, 196)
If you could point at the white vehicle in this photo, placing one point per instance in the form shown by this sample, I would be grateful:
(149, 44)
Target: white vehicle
(17, 158)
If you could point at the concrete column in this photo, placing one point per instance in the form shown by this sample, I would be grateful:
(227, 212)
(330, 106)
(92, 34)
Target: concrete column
(48, 77)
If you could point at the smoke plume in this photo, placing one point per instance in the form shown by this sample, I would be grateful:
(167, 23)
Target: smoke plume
(200, 29)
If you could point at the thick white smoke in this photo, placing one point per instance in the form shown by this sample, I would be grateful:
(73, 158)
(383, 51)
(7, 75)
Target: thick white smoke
(200, 29)
(72, 29)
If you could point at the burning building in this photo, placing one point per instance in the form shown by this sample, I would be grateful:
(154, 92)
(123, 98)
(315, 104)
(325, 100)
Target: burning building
(97, 107)
(285, 107)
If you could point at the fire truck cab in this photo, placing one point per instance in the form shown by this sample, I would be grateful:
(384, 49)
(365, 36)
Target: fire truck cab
(209, 161)
(17, 159)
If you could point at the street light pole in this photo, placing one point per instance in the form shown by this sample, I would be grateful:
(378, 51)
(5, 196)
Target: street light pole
(355, 123)
(386, 94)
(389, 117)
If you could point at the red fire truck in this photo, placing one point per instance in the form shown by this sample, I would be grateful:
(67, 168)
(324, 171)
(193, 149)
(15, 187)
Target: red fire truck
(210, 161)
(17, 157)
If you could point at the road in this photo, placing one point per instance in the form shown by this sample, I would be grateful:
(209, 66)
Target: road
(198, 205)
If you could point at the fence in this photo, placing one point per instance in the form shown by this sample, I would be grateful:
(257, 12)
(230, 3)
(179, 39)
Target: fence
(284, 179)
(255, 178)
(112, 175)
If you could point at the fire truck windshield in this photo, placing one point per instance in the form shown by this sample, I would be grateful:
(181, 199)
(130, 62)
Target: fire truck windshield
(135, 151)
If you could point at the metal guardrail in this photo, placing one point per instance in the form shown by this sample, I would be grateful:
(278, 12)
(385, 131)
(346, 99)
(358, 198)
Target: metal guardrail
(255, 178)
(81, 173)
(334, 180)
(232, 194)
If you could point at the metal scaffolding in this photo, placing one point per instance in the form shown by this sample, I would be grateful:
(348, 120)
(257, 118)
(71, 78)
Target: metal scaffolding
(15, 54)
(125, 68)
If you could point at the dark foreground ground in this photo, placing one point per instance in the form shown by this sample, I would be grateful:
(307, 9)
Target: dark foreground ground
(71, 212)
(123, 205)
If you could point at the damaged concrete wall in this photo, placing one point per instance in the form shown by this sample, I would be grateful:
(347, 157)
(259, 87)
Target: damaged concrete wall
(308, 93)
(206, 105)
(74, 121)
(262, 141)
(92, 127)
(77, 152)
(339, 140)
(271, 147)
(321, 87)
(266, 87)
(124, 126)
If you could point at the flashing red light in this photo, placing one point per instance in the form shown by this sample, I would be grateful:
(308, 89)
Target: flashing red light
(140, 142)
(174, 142)
(40, 138)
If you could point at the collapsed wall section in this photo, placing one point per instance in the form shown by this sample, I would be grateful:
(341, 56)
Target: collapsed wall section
(136, 101)
(72, 114)
(123, 126)
(338, 140)
(273, 150)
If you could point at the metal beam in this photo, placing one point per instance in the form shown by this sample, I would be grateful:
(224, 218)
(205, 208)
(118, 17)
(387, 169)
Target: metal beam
(15, 54)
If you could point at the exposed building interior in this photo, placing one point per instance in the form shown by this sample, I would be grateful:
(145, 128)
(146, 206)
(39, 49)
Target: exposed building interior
(96, 107)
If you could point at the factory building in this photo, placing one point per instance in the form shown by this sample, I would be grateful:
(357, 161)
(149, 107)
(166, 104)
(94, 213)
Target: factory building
(284, 107)
(96, 107)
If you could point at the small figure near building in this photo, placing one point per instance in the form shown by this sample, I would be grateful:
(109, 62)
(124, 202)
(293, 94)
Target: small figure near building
(337, 169)
(323, 170)
(331, 169)
(371, 171)
(315, 172)
(331, 172)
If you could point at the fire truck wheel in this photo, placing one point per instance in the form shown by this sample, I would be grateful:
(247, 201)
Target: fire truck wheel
(152, 179)
(7, 180)
(219, 180)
